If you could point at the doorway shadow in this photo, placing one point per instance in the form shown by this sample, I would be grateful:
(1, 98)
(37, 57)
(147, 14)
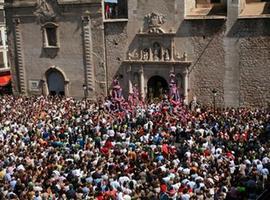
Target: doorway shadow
(156, 87)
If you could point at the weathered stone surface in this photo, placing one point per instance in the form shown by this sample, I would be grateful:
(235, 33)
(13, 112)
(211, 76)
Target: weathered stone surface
(228, 54)
(231, 55)
(70, 57)
(116, 49)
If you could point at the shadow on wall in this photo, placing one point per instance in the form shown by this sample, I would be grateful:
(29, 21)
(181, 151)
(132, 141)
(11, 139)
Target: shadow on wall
(200, 28)
(250, 28)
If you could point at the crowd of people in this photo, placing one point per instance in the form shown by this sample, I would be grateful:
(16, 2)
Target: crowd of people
(62, 148)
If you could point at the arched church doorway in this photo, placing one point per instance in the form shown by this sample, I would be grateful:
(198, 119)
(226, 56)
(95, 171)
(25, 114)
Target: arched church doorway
(56, 82)
(156, 87)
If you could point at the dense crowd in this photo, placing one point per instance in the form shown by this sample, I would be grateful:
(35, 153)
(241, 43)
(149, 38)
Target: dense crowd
(62, 148)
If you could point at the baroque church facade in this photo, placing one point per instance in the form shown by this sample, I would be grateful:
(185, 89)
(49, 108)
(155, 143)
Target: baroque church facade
(217, 49)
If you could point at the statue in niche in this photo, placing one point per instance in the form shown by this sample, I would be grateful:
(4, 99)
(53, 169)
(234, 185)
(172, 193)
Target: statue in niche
(133, 55)
(146, 55)
(166, 55)
(156, 52)
(185, 56)
(178, 56)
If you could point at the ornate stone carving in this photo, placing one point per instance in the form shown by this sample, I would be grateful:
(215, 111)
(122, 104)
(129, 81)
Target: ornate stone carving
(46, 10)
(183, 57)
(166, 55)
(155, 21)
(156, 52)
(146, 54)
(134, 55)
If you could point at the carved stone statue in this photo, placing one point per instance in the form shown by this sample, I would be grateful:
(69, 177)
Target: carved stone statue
(166, 55)
(155, 21)
(45, 10)
(133, 55)
(178, 56)
(146, 55)
(156, 52)
(185, 56)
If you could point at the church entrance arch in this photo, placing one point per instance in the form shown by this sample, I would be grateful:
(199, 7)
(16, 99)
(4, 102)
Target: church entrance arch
(56, 82)
(157, 86)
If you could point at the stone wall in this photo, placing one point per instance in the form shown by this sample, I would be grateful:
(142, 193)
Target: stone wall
(229, 54)
(207, 70)
(71, 55)
(254, 41)
(116, 50)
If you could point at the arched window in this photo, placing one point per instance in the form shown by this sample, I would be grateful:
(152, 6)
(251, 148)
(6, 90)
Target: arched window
(50, 35)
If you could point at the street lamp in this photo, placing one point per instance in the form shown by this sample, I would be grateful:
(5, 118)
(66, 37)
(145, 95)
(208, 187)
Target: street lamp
(214, 91)
(85, 91)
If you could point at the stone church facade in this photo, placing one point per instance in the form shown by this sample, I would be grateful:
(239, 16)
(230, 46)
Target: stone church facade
(76, 48)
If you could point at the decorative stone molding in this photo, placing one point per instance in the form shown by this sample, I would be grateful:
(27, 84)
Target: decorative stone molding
(134, 55)
(155, 21)
(87, 38)
(19, 56)
(152, 47)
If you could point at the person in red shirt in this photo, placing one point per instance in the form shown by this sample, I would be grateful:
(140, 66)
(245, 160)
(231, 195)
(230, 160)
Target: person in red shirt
(107, 11)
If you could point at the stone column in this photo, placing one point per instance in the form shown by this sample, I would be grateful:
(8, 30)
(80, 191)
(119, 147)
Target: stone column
(172, 69)
(172, 49)
(87, 39)
(66, 88)
(141, 82)
(129, 79)
(19, 56)
(185, 75)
